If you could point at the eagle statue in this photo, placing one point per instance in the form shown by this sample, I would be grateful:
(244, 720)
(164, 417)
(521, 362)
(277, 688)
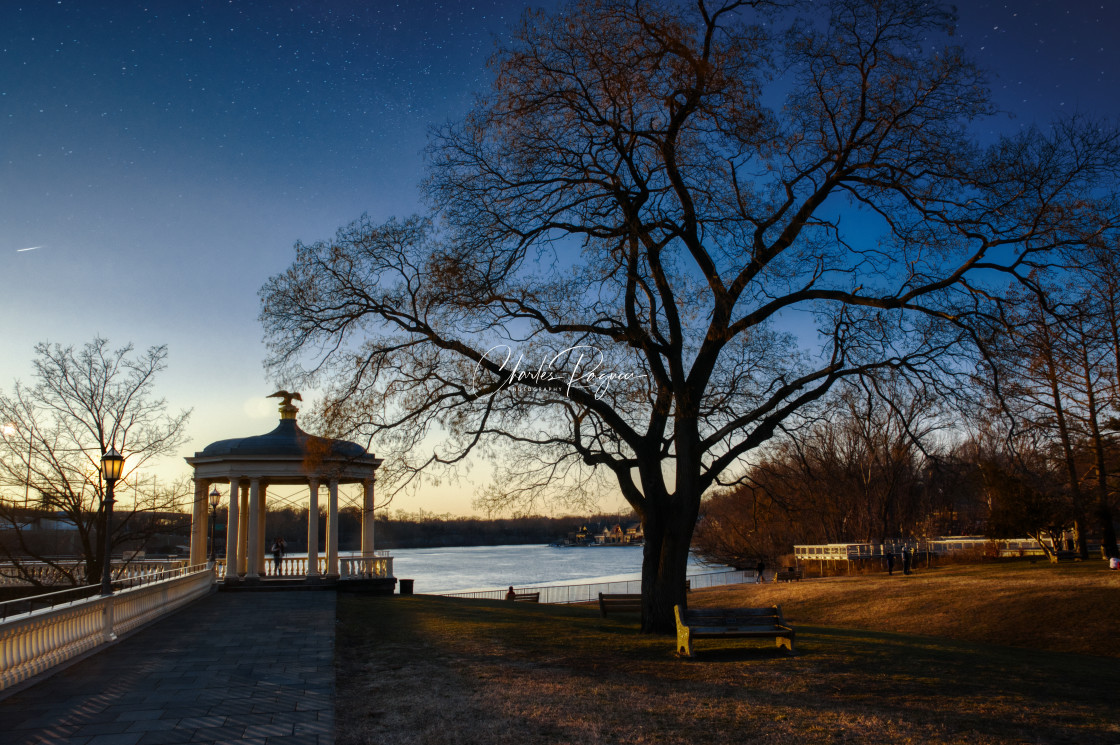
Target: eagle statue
(288, 397)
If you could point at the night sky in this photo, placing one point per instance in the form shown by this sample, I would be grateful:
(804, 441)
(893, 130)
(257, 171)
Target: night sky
(162, 158)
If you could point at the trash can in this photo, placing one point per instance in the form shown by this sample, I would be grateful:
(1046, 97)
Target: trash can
(406, 586)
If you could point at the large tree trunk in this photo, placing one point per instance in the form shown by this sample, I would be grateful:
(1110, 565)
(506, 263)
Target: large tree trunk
(664, 569)
(668, 522)
(1108, 530)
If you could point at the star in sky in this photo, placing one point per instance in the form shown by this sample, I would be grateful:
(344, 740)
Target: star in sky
(170, 154)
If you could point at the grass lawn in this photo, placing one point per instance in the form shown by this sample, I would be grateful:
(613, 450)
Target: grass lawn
(918, 659)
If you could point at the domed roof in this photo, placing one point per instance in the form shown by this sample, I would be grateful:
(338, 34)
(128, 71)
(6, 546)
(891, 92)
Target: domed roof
(286, 455)
(286, 441)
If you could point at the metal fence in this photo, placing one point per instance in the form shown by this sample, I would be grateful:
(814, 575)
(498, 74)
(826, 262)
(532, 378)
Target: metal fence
(589, 592)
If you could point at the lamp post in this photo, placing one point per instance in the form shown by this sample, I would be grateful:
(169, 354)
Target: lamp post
(112, 463)
(215, 499)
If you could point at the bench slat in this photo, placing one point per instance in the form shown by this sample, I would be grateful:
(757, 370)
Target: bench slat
(731, 623)
(748, 613)
(619, 602)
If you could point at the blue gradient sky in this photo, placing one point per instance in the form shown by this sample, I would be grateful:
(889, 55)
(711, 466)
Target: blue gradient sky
(165, 156)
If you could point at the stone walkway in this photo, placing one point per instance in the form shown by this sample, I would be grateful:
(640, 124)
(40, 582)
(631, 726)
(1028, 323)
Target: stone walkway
(255, 668)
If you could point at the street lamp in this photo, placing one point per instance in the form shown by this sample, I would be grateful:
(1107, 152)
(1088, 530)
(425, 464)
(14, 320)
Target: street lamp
(112, 463)
(215, 499)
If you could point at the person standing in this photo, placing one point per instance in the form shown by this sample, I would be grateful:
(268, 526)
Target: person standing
(760, 569)
(278, 554)
(890, 563)
(906, 559)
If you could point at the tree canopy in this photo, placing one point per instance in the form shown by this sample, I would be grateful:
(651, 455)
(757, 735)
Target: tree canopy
(665, 230)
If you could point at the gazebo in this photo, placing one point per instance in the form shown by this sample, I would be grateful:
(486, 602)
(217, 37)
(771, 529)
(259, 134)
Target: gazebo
(285, 456)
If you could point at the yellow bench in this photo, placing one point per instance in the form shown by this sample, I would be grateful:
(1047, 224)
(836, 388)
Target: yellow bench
(709, 623)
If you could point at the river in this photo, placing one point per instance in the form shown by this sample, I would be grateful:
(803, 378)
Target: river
(466, 568)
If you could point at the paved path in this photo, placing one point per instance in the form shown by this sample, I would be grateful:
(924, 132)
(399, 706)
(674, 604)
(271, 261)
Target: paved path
(255, 668)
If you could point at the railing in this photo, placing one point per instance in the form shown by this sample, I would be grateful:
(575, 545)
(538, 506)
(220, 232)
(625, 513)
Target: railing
(379, 567)
(1001, 547)
(937, 546)
(589, 592)
(849, 551)
(349, 567)
(37, 639)
(73, 595)
(60, 572)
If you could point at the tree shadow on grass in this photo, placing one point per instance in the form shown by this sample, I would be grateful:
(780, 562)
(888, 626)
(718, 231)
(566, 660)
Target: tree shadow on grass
(843, 685)
(993, 690)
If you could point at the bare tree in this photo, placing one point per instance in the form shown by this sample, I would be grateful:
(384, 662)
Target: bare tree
(743, 525)
(84, 401)
(861, 470)
(1091, 379)
(666, 230)
(1052, 375)
(1025, 498)
(1100, 378)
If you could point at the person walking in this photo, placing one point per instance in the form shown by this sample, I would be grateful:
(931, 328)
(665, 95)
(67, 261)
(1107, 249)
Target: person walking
(890, 563)
(760, 569)
(906, 560)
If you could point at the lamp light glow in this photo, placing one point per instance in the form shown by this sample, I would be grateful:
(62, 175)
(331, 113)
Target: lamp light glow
(112, 465)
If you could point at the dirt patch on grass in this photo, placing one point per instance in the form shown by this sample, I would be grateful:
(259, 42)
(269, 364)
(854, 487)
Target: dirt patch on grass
(437, 670)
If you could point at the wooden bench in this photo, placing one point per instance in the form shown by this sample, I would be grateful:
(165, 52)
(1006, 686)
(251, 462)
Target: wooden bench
(619, 603)
(788, 574)
(524, 597)
(708, 623)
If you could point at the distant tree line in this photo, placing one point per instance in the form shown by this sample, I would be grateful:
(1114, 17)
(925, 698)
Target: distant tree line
(406, 530)
(169, 532)
(420, 529)
(40, 534)
(1024, 445)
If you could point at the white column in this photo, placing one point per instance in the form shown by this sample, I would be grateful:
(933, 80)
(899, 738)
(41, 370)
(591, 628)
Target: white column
(313, 529)
(332, 528)
(367, 519)
(232, 529)
(254, 549)
(261, 532)
(198, 522)
(243, 531)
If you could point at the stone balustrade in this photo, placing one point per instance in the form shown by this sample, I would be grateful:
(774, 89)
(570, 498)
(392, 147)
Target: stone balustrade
(376, 567)
(56, 574)
(34, 642)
